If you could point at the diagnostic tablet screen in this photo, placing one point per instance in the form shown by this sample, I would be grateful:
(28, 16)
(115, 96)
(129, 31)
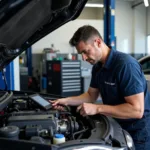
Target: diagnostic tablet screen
(40, 100)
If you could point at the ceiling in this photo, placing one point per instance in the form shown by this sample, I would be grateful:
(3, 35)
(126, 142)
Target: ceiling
(101, 1)
(133, 2)
(95, 1)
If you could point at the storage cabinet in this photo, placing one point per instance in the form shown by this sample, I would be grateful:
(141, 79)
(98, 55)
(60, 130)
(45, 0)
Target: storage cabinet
(64, 77)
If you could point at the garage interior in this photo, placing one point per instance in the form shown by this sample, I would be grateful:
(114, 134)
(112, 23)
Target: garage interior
(51, 66)
(129, 30)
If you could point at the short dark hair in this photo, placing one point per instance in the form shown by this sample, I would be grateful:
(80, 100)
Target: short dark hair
(83, 34)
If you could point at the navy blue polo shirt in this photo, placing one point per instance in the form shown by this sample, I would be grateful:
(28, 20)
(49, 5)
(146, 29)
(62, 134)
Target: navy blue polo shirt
(120, 76)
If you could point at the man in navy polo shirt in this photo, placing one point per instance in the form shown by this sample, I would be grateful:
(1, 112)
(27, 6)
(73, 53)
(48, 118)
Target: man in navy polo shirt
(120, 81)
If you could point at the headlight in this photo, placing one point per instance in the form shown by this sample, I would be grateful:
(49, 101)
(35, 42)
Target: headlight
(129, 140)
(92, 147)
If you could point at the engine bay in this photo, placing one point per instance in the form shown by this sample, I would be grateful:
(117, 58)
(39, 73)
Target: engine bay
(21, 119)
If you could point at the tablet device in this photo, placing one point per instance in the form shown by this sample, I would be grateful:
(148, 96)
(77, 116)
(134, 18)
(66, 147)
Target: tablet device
(41, 101)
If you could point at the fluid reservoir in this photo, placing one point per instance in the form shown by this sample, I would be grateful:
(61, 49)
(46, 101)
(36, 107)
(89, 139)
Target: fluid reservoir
(11, 132)
(58, 139)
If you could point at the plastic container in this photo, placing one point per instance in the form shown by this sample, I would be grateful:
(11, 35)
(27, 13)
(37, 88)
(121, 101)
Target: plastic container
(44, 83)
(58, 139)
(69, 56)
(11, 132)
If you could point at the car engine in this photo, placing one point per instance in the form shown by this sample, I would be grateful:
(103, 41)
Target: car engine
(21, 119)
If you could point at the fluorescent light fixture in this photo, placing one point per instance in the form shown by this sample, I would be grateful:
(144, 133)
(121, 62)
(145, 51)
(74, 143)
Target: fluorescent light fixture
(146, 3)
(94, 5)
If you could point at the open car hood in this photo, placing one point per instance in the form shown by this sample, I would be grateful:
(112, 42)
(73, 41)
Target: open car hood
(24, 22)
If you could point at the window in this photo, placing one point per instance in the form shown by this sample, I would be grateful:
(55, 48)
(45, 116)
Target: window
(148, 44)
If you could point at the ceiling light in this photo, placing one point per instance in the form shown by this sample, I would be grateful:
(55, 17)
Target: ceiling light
(94, 5)
(146, 3)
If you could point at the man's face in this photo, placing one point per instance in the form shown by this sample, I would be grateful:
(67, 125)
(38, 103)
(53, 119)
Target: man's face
(90, 51)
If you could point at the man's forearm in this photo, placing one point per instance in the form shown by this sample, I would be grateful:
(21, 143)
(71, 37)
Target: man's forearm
(122, 111)
(78, 100)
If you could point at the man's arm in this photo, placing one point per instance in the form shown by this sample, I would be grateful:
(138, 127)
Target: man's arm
(133, 108)
(90, 96)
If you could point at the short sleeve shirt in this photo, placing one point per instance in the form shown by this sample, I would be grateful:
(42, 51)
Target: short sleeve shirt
(120, 76)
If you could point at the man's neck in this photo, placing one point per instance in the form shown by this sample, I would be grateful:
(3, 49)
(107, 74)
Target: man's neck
(106, 53)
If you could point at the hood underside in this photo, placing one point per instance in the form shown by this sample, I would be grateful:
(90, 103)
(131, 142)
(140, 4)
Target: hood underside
(24, 22)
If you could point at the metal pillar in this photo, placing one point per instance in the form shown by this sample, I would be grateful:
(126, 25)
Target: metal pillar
(9, 73)
(29, 60)
(109, 23)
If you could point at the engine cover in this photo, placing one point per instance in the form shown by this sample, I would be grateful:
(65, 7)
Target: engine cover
(46, 121)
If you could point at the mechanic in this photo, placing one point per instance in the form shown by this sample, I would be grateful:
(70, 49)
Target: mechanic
(120, 81)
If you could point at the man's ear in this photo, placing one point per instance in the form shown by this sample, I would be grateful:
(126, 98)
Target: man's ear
(97, 42)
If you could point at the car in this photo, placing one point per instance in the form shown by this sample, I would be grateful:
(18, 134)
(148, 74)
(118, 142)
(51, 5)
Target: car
(27, 120)
(145, 63)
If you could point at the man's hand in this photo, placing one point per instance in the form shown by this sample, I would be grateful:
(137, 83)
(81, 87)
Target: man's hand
(88, 109)
(57, 104)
